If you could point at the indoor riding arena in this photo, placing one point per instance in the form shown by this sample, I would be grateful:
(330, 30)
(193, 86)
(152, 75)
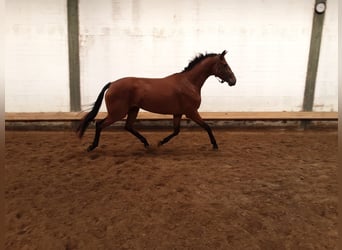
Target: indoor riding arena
(171, 124)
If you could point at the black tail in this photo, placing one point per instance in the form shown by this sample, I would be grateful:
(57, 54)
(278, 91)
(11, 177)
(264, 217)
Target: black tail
(92, 114)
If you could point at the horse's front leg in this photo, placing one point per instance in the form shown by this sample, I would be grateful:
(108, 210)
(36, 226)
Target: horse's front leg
(176, 129)
(198, 119)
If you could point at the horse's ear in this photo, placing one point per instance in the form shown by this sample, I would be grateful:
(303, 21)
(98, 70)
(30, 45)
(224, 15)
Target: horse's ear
(223, 54)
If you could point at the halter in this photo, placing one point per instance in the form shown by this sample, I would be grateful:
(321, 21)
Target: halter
(219, 79)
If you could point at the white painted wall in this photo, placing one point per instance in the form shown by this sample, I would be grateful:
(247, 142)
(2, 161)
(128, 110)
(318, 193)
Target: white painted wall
(36, 71)
(267, 42)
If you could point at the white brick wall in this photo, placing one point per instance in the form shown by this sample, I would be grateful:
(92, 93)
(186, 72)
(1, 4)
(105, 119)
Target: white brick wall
(267, 42)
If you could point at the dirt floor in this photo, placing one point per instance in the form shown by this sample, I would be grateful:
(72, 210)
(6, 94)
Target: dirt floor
(261, 190)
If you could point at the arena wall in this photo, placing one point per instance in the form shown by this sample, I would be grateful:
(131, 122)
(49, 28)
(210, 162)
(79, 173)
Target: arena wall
(267, 41)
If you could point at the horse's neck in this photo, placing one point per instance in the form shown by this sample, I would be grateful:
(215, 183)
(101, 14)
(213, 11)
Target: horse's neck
(200, 73)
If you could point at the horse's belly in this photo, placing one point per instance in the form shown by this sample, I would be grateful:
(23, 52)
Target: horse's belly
(161, 105)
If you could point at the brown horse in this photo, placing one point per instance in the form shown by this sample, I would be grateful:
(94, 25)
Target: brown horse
(176, 94)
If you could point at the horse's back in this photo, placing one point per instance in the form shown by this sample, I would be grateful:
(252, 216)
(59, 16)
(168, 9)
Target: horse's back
(129, 85)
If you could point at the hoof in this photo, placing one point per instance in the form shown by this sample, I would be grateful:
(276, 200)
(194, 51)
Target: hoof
(160, 143)
(215, 147)
(90, 148)
(146, 145)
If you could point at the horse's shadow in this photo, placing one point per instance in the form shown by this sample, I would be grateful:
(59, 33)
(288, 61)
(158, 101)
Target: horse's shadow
(137, 151)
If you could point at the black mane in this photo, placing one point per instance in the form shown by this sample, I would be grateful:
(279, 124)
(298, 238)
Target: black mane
(196, 60)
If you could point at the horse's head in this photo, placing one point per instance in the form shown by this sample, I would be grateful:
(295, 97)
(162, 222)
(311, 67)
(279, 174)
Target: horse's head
(223, 71)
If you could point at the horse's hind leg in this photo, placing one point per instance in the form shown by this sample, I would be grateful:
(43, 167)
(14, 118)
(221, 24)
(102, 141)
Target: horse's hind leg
(99, 126)
(132, 115)
(176, 129)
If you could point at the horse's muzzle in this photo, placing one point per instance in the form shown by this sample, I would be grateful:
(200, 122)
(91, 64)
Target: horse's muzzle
(232, 82)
